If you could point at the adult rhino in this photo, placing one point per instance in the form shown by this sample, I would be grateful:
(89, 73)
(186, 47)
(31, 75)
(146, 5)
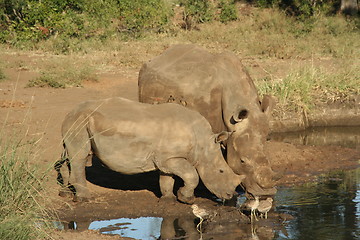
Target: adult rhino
(131, 137)
(218, 87)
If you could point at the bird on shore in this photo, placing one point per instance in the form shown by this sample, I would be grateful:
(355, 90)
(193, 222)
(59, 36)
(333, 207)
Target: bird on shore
(253, 204)
(200, 213)
(265, 206)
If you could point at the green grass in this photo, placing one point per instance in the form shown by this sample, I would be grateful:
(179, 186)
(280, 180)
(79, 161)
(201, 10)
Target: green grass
(64, 73)
(2, 75)
(20, 186)
(302, 89)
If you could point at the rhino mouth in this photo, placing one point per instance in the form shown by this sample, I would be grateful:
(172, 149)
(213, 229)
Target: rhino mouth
(262, 192)
(226, 195)
(256, 190)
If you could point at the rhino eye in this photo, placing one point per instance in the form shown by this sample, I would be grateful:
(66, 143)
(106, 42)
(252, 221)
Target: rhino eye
(242, 161)
(221, 171)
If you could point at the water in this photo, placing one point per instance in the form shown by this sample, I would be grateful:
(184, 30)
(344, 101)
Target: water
(328, 208)
(139, 228)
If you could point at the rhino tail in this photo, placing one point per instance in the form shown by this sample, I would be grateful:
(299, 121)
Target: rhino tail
(59, 164)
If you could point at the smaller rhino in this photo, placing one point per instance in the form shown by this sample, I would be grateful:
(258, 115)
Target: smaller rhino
(131, 137)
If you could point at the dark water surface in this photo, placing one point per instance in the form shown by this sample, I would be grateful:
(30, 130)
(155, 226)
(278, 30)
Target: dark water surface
(328, 208)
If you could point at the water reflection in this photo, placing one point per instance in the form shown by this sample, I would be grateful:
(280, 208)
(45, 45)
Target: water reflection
(327, 209)
(322, 136)
(176, 228)
(139, 228)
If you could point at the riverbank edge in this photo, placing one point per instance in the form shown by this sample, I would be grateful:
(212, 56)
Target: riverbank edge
(333, 115)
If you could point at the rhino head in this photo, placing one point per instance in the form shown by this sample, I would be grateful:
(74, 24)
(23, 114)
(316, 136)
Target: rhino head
(213, 170)
(245, 149)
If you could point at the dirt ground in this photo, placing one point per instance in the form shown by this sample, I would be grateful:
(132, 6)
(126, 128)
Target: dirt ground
(39, 112)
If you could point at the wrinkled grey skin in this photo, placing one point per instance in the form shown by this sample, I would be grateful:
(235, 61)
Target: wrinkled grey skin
(131, 137)
(220, 89)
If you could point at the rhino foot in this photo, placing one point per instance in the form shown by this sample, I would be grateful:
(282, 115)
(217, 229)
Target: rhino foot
(182, 198)
(66, 193)
(170, 199)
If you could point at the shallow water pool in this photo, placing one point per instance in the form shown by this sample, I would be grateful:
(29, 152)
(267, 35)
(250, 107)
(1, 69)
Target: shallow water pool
(328, 208)
(325, 209)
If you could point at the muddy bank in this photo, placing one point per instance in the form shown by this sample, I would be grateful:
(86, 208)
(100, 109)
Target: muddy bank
(329, 115)
(297, 163)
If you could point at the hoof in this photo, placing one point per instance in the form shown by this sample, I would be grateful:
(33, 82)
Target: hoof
(184, 199)
(66, 193)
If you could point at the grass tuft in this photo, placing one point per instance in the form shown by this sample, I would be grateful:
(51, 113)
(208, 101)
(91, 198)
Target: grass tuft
(20, 186)
(2, 75)
(304, 88)
(63, 74)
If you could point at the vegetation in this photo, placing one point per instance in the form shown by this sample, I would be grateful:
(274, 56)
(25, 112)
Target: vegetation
(228, 11)
(62, 75)
(301, 89)
(303, 8)
(20, 186)
(31, 20)
(2, 75)
(123, 33)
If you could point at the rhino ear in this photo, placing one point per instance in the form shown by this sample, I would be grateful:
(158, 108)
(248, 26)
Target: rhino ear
(268, 104)
(240, 114)
(223, 136)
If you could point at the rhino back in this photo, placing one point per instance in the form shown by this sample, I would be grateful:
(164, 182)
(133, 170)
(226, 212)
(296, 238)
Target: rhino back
(141, 134)
(208, 83)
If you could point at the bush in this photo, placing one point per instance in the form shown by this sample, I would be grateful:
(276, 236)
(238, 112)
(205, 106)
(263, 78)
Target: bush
(33, 20)
(198, 11)
(302, 8)
(228, 11)
(143, 15)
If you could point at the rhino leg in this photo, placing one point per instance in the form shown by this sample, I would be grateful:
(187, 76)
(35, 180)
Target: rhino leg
(78, 149)
(62, 168)
(182, 168)
(166, 186)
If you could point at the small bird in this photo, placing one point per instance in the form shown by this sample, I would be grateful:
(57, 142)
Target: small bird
(200, 213)
(253, 204)
(265, 206)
